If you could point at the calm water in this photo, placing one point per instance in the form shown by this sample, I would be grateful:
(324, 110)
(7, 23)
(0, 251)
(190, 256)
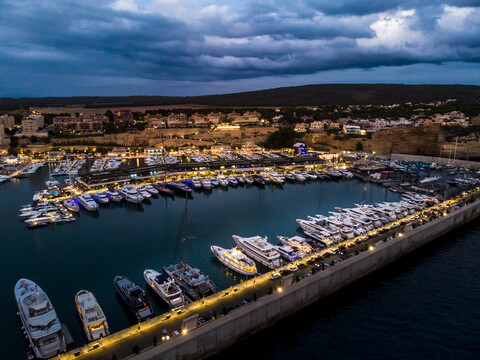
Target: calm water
(423, 303)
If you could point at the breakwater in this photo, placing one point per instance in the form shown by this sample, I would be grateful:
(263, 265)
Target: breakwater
(216, 336)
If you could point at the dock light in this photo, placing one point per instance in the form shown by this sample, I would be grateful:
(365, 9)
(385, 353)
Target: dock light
(370, 248)
(279, 289)
(400, 234)
(184, 331)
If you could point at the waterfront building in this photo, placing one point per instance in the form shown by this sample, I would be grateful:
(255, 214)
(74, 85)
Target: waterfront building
(8, 121)
(153, 151)
(82, 124)
(219, 149)
(32, 123)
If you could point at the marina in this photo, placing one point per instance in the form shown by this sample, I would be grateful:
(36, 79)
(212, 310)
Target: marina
(259, 194)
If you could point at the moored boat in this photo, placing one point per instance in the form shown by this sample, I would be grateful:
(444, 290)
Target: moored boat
(134, 297)
(259, 249)
(235, 260)
(93, 319)
(71, 205)
(165, 287)
(130, 194)
(40, 321)
(87, 202)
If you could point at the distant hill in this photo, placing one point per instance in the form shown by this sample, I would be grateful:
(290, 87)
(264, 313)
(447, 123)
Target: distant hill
(307, 95)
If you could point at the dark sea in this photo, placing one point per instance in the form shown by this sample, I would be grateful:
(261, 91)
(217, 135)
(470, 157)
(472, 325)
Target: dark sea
(425, 305)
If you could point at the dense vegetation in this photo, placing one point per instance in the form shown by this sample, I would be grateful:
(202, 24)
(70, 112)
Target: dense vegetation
(308, 95)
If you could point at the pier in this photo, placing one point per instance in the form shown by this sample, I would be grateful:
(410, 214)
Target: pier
(265, 301)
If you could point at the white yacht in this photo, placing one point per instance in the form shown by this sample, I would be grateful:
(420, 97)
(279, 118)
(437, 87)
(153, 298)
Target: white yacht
(93, 319)
(248, 179)
(113, 195)
(298, 176)
(87, 202)
(130, 194)
(206, 183)
(235, 260)
(71, 205)
(196, 183)
(222, 180)
(165, 286)
(286, 252)
(143, 192)
(151, 189)
(298, 243)
(101, 198)
(260, 250)
(39, 319)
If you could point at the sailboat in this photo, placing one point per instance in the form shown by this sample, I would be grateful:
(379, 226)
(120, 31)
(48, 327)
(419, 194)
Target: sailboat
(192, 281)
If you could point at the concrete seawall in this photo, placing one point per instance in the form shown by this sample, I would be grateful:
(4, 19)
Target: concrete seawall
(218, 335)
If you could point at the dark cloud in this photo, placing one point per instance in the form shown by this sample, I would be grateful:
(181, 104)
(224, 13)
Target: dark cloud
(165, 42)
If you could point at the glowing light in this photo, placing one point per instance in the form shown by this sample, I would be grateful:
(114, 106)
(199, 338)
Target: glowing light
(279, 289)
(184, 331)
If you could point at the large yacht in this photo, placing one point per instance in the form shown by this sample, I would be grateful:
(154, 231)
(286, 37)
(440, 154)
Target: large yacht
(195, 284)
(165, 287)
(71, 205)
(39, 319)
(130, 194)
(93, 319)
(235, 260)
(101, 198)
(260, 250)
(113, 195)
(87, 202)
(135, 298)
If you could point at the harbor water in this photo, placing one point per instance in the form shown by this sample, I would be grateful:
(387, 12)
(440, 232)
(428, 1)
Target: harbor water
(423, 305)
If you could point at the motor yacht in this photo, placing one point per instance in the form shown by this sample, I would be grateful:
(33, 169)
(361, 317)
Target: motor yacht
(39, 319)
(286, 252)
(143, 192)
(101, 198)
(259, 249)
(206, 184)
(196, 183)
(248, 179)
(179, 188)
(134, 297)
(114, 195)
(130, 194)
(235, 260)
(87, 202)
(151, 190)
(71, 205)
(165, 287)
(214, 182)
(222, 180)
(91, 315)
(298, 243)
(232, 180)
(192, 280)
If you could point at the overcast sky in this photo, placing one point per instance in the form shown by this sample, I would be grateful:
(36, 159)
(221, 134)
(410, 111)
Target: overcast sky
(194, 47)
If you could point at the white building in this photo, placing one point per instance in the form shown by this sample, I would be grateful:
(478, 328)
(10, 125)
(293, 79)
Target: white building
(8, 121)
(352, 129)
(32, 123)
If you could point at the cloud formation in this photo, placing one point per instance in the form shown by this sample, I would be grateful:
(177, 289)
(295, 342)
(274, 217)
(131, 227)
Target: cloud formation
(123, 46)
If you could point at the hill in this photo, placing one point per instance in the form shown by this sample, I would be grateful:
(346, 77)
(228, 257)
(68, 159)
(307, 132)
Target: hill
(306, 95)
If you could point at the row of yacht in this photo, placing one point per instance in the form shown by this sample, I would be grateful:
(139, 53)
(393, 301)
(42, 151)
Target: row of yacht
(30, 170)
(348, 223)
(249, 250)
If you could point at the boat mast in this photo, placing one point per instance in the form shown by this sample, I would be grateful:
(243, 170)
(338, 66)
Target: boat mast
(186, 231)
